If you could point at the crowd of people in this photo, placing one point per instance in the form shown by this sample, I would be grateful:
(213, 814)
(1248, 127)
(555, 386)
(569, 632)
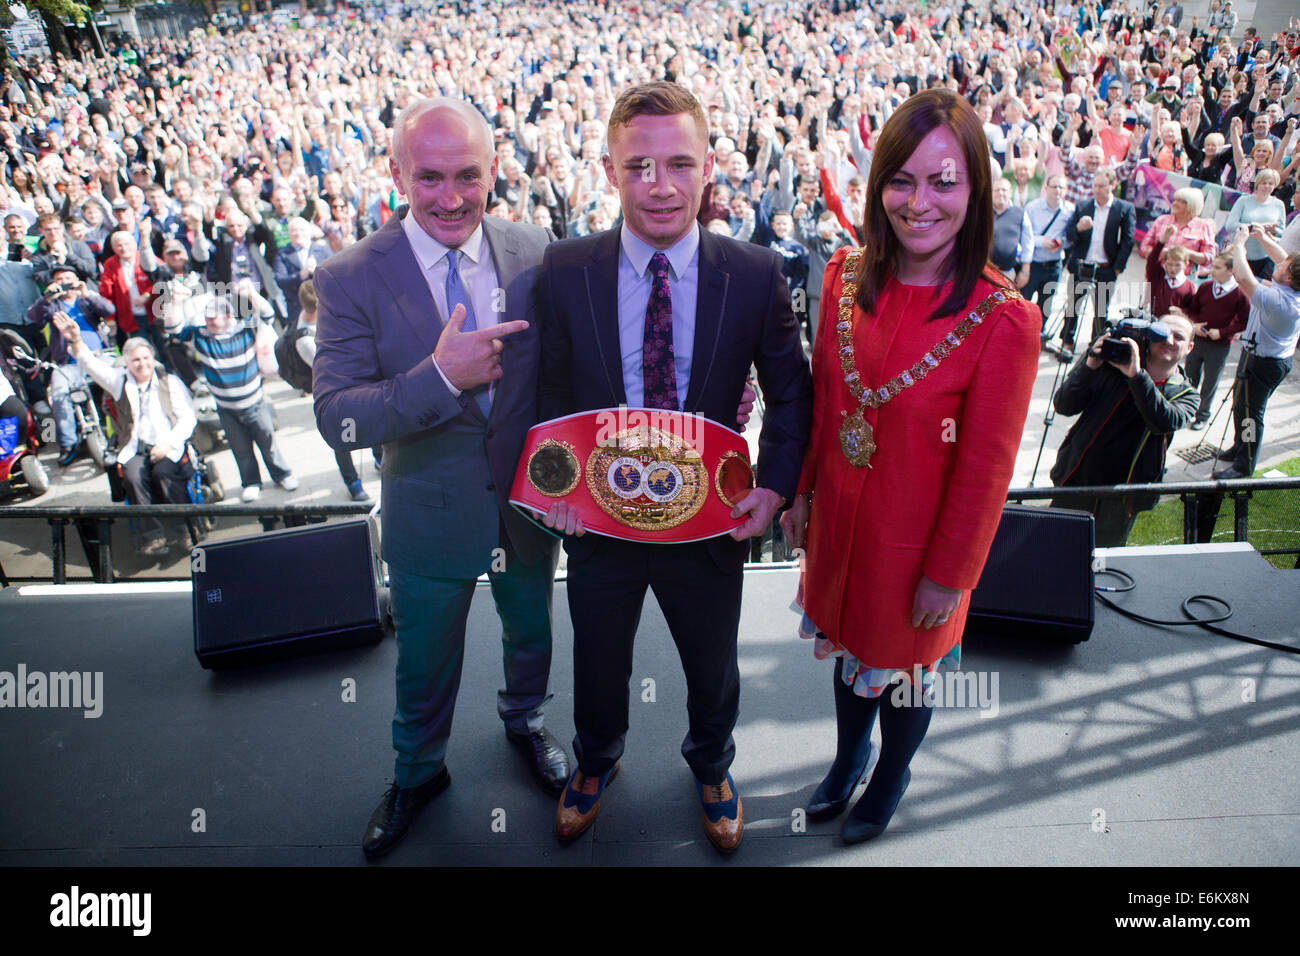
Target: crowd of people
(238, 160)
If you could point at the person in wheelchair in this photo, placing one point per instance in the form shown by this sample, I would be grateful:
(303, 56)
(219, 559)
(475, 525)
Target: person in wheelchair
(154, 420)
(12, 391)
(87, 310)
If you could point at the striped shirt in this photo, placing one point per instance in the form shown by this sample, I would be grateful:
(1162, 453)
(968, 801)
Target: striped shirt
(229, 363)
(1079, 185)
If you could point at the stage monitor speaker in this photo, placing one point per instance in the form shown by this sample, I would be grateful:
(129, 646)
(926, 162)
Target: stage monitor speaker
(286, 593)
(1038, 580)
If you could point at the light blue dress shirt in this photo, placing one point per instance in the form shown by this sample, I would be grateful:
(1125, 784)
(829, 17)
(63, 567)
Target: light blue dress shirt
(634, 283)
(1038, 214)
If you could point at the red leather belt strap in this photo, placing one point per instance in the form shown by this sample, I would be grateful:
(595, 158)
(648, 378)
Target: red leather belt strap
(639, 474)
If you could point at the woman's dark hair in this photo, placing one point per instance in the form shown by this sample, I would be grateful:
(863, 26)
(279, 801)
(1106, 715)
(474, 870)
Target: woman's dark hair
(915, 119)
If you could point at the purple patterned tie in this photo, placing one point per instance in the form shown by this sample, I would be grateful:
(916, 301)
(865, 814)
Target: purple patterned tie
(658, 367)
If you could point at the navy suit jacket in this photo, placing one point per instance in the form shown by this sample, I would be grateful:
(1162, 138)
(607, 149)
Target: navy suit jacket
(288, 273)
(220, 268)
(743, 317)
(1118, 240)
(447, 469)
(289, 260)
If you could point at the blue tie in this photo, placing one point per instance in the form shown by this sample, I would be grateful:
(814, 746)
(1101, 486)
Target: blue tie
(457, 295)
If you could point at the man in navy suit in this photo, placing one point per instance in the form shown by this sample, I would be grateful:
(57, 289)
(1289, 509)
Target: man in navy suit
(295, 262)
(1100, 236)
(663, 314)
(425, 345)
(242, 253)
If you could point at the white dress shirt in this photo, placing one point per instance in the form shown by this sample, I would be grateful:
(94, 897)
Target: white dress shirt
(1097, 244)
(477, 274)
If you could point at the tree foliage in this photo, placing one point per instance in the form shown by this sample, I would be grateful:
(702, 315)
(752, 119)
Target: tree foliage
(60, 9)
(54, 14)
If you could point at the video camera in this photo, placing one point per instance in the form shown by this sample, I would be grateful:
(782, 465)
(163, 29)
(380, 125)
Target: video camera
(1136, 324)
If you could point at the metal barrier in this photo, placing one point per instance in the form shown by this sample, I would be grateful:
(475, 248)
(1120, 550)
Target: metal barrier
(1201, 503)
(93, 524)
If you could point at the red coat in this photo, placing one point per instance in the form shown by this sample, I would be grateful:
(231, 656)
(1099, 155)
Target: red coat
(113, 287)
(931, 500)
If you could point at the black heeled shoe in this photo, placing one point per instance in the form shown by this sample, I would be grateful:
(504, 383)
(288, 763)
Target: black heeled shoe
(823, 807)
(857, 830)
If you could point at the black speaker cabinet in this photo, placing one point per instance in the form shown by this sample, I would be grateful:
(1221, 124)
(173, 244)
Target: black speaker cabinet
(1038, 580)
(286, 593)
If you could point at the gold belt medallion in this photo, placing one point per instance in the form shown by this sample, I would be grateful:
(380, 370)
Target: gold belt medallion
(647, 479)
(553, 468)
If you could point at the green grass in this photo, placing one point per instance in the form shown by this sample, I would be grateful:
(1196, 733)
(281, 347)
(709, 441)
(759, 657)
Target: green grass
(1274, 520)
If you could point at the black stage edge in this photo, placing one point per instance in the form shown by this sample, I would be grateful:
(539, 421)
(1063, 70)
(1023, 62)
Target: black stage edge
(1141, 747)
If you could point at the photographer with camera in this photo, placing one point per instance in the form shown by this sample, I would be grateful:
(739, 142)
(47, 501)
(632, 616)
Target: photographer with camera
(67, 295)
(1131, 398)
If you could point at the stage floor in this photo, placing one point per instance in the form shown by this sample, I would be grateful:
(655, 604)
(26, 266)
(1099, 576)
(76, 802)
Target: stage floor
(1143, 746)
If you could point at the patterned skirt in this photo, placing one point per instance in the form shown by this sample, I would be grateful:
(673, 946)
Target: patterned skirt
(868, 681)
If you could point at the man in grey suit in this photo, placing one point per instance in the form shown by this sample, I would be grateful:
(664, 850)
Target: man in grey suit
(425, 345)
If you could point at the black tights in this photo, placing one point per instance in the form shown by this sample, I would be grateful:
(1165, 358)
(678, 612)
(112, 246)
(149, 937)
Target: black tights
(904, 721)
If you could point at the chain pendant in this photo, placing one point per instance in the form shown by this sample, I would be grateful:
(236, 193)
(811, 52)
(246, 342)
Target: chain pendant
(857, 440)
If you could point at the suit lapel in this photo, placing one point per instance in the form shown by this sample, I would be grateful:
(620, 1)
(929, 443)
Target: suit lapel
(600, 281)
(712, 282)
(504, 249)
(1113, 227)
(507, 259)
(400, 271)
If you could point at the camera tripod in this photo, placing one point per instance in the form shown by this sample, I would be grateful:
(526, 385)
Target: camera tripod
(1049, 417)
(1209, 504)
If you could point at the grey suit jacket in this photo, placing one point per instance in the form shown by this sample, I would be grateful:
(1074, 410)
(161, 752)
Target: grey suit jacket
(447, 469)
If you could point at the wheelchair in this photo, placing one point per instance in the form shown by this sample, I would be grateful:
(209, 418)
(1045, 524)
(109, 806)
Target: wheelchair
(202, 486)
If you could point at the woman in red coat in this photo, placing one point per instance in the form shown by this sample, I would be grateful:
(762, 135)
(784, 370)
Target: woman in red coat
(924, 365)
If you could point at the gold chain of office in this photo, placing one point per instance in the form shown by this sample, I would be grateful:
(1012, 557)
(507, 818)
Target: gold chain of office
(857, 439)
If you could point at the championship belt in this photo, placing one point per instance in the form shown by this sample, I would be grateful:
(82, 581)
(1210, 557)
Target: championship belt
(639, 474)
